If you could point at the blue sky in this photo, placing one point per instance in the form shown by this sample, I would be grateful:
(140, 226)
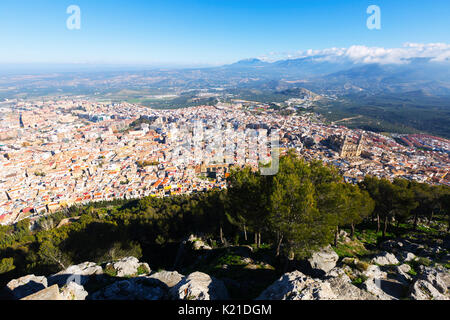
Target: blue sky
(190, 32)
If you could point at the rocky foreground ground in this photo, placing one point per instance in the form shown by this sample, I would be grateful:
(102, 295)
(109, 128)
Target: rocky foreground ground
(388, 276)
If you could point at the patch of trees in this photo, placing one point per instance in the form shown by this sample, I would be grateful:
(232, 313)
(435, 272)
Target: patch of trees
(300, 209)
(402, 199)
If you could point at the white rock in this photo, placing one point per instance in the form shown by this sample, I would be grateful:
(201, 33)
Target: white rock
(433, 276)
(129, 266)
(140, 288)
(73, 291)
(169, 278)
(200, 286)
(407, 256)
(403, 275)
(324, 259)
(80, 274)
(297, 286)
(373, 286)
(27, 285)
(423, 290)
(385, 258)
(339, 272)
(374, 272)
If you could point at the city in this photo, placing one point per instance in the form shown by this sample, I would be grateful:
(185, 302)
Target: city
(57, 154)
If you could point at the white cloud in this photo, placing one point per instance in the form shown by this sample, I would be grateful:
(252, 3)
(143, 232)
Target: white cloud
(438, 52)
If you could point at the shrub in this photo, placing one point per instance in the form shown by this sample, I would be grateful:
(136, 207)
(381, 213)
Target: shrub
(355, 263)
(110, 271)
(359, 281)
(361, 265)
(424, 262)
(142, 269)
(6, 265)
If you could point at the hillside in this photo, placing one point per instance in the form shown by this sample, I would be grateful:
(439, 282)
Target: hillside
(304, 220)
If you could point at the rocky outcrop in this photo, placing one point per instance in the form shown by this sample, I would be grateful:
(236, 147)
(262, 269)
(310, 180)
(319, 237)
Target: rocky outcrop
(140, 288)
(385, 258)
(169, 278)
(352, 279)
(423, 290)
(298, 286)
(374, 272)
(80, 274)
(379, 288)
(50, 293)
(25, 286)
(199, 286)
(324, 260)
(343, 237)
(197, 243)
(431, 284)
(129, 266)
(291, 285)
(403, 274)
(345, 290)
(73, 291)
(406, 256)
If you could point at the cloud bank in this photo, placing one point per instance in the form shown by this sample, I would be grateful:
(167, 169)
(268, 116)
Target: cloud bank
(435, 52)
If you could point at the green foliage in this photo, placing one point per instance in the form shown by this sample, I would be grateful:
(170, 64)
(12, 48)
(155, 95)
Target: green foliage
(142, 269)
(359, 281)
(294, 210)
(424, 261)
(351, 249)
(301, 206)
(110, 271)
(230, 260)
(6, 265)
(412, 272)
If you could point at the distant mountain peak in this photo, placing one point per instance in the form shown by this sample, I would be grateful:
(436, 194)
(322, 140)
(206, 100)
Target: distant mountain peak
(251, 62)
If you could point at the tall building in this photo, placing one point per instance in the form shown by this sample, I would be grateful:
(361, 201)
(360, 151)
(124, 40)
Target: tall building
(21, 121)
(351, 150)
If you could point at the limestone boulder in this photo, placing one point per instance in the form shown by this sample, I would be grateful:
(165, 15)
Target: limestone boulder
(169, 278)
(423, 290)
(434, 277)
(128, 267)
(48, 294)
(80, 273)
(73, 291)
(298, 286)
(402, 273)
(288, 287)
(378, 288)
(27, 285)
(374, 272)
(198, 244)
(385, 258)
(406, 256)
(140, 288)
(324, 260)
(345, 290)
(199, 286)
